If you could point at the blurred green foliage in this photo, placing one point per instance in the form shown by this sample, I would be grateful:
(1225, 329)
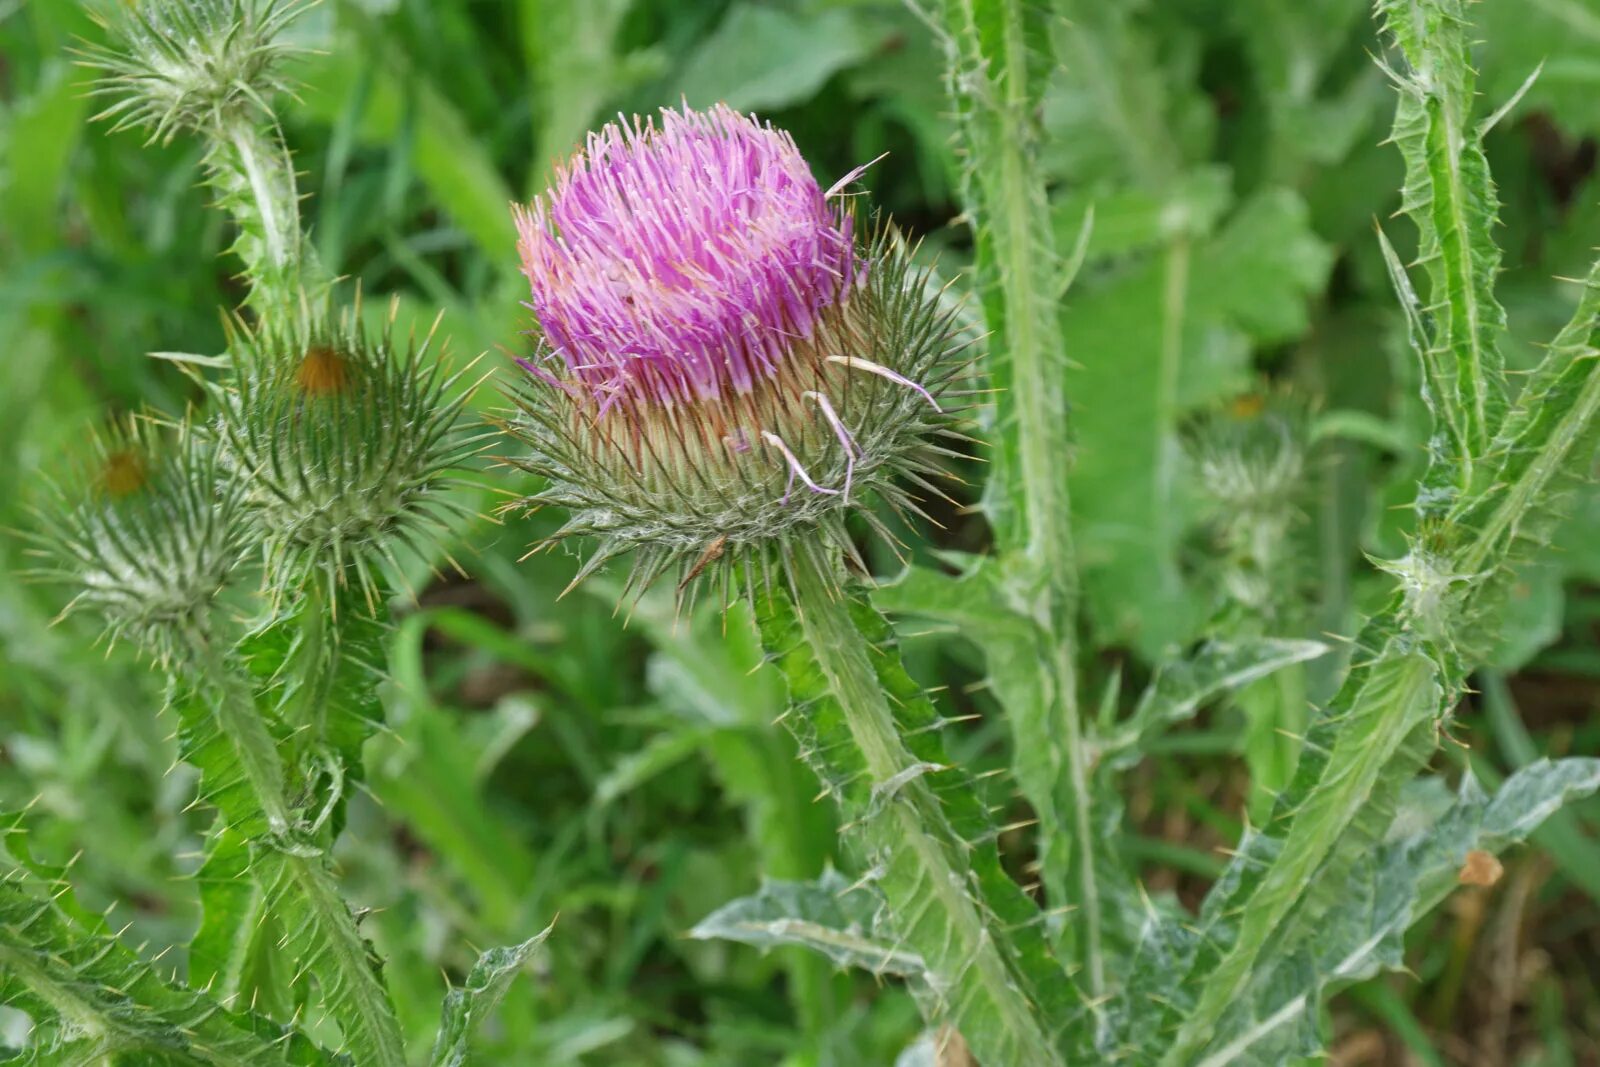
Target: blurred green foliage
(549, 757)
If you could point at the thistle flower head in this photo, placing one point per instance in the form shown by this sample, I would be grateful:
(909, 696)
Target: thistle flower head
(146, 533)
(678, 264)
(722, 366)
(193, 64)
(343, 443)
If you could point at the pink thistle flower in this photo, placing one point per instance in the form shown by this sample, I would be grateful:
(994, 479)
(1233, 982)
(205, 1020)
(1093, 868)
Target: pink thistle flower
(711, 336)
(679, 263)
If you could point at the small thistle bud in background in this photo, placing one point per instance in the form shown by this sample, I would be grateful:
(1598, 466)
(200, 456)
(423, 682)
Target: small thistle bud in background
(343, 443)
(146, 534)
(198, 65)
(1249, 462)
(722, 366)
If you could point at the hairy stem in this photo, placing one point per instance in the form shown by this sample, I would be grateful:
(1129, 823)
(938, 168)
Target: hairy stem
(919, 859)
(1039, 387)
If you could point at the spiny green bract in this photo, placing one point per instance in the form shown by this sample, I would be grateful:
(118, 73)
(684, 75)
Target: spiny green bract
(692, 488)
(343, 442)
(148, 533)
(201, 65)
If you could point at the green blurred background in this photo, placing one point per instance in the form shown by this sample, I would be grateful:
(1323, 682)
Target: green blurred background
(553, 758)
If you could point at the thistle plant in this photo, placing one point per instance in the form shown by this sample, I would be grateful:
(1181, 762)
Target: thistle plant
(739, 374)
(211, 68)
(145, 533)
(724, 372)
(332, 451)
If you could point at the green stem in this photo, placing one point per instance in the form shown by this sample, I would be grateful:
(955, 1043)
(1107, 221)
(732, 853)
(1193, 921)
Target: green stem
(254, 177)
(1027, 271)
(931, 903)
(240, 726)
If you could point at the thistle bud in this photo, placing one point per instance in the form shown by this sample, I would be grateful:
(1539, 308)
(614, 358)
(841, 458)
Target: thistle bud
(343, 444)
(722, 366)
(200, 65)
(146, 534)
(1249, 462)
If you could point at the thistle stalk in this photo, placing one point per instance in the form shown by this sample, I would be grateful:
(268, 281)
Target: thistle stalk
(919, 861)
(211, 68)
(1018, 264)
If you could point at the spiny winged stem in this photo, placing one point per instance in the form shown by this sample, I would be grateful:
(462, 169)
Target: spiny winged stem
(288, 856)
(211, 68)
(233, 707)
(316, 659)
(1011, 202)
(930, 901)
(254, 176)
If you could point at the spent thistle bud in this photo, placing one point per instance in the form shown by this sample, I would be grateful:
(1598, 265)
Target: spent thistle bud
(147, 535)
(722, 366)
(344, 444)
(200, 65)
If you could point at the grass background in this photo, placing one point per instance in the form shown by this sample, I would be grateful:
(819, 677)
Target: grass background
(552, 758)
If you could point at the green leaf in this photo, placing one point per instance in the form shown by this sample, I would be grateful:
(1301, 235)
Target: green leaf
(841, 921)
(1545, 448)
(1395, 699)
(1449, 195)
(1168, 336)
(466, 1008)
(93, 1000)
(235, 953)
(321, 939)
(1181, 687)
(1380, 896)
(764, 58)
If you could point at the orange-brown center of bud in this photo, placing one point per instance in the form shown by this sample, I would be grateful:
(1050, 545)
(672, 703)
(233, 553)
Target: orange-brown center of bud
(125, 472)
(1248, 406)
(322, 372)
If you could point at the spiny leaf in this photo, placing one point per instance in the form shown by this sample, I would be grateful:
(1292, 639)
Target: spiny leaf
(1399, 694)
(93, 999)
(466, 1008)
(322, 940)
(1449, 195)
(828, 915)
(1382, 894)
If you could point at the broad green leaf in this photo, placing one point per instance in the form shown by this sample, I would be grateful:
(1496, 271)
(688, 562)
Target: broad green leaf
(764, 58)
(843, 922)
(1166, 337)
(466, 1008)
(1134, 219)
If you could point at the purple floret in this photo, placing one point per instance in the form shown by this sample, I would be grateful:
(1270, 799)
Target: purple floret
(679, 262)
